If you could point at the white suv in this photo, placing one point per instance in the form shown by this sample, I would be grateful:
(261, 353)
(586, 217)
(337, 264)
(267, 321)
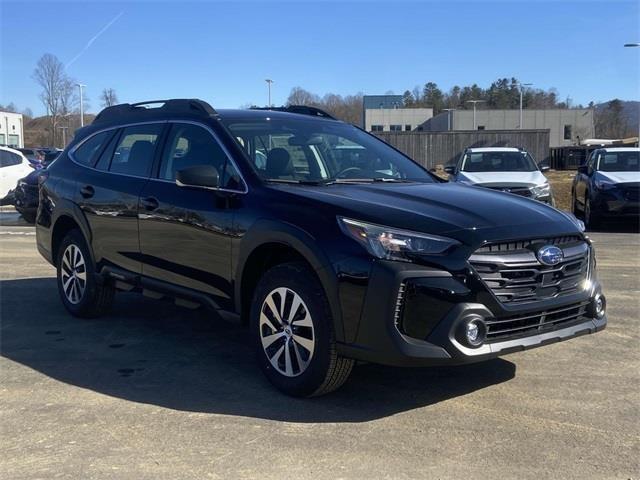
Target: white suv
(505, 169)
(13, 166)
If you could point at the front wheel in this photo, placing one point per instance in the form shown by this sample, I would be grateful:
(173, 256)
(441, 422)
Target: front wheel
(293, 330)
(80, 291)
(591, 218)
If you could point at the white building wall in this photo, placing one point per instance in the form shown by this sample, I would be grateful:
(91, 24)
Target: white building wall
(11, 129)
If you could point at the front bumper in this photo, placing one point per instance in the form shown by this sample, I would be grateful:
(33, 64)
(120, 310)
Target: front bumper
(614, 203)
(26, 197)
(439, 307)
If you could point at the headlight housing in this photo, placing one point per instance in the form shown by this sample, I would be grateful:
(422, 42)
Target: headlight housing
(394, 244)
(541, 190)
(602, 185)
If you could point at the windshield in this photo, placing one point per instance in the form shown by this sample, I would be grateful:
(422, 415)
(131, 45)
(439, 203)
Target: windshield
(619, 162)
(498, 162)
(305, 150)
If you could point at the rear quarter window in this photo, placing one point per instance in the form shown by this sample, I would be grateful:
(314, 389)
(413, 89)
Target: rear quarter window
(9, 159)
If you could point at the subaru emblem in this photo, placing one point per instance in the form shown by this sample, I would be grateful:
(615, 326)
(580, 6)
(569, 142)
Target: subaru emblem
(550, 255)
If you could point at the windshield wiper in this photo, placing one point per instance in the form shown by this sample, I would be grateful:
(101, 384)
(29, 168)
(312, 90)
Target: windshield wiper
(367, 180)
(295, 182)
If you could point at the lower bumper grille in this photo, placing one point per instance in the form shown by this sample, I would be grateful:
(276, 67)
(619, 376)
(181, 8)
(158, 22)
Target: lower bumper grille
(499, 329)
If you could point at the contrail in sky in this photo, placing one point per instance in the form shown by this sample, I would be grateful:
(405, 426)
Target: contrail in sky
(93, 39)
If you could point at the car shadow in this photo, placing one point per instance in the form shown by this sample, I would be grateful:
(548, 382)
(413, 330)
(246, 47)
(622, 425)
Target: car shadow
(156, 353)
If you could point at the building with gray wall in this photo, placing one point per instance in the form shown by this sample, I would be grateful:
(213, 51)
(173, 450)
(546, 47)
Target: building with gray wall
(395, 119)
(566, 126)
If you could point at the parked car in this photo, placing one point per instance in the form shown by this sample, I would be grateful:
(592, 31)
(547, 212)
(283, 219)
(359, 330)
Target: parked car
(608, 186)
(13, 166)
(510, 170)
(380, 261)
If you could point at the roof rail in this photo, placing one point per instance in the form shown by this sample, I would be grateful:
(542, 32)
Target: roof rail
(176, 106)
(300, 109)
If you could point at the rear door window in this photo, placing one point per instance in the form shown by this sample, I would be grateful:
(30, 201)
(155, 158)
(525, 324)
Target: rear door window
(87, 153)
(134, 152)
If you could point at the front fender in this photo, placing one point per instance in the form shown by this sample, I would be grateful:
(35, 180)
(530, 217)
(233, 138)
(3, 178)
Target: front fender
(265, 231)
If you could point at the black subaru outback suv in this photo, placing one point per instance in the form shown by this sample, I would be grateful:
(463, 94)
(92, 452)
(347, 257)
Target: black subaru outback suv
(333, 246)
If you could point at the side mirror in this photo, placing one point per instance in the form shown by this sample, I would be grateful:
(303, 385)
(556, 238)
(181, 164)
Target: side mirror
(583, 169)
(204, 176)
(545, 168)
(451, 170)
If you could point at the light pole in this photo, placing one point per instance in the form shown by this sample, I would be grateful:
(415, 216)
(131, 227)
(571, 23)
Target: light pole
(269, 82)
(474, 110)
(521, 85)
(449, 110)
(631, 45)
(80, 87)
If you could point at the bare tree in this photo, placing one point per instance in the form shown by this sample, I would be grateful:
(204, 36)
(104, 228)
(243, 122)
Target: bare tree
(49, 74)
(300, 96)
(108, 97)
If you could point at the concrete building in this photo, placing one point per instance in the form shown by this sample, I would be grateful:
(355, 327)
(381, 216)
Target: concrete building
(11, 129)
(566, 126)
(385, 113)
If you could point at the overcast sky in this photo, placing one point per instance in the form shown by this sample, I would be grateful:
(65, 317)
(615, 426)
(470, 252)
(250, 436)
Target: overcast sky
(223, 51)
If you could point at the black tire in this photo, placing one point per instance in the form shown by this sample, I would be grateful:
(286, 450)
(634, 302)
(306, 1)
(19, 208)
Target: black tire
(574, 205)
(592, 220)
(325, 369)
(96, 297)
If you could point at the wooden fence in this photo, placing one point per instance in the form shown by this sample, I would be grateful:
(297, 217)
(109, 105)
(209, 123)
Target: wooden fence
(444, 148)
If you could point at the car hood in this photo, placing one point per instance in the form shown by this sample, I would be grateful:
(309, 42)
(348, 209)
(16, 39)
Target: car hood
(470, 215)
(499, 179)
(620, 177)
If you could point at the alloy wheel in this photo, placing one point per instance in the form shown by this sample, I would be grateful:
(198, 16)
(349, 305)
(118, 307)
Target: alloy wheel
(73, 274)
(286, 332)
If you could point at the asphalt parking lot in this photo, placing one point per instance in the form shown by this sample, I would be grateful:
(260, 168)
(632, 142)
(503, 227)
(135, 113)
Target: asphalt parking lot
(156, 391)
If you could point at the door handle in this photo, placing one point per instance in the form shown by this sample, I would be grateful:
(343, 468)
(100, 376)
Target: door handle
(149, 203)
(87, 191)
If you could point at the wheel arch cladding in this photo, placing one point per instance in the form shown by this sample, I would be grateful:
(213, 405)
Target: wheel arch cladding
(269, 243)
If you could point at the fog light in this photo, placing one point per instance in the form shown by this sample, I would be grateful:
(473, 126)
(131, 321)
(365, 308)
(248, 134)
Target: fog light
(599, 306)
(475, 331)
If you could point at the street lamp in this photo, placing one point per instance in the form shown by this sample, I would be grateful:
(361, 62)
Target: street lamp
(80, 87)
(631, 45)
(449, 110)
(474, 110)
(521, 85)
(269, 82)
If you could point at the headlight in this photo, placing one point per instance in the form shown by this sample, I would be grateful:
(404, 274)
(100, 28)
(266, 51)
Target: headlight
(393, 244)
(576, 221)
(541, 190)
(600, 185)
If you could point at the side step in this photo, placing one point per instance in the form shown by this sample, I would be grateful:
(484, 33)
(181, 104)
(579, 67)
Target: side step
(157, 289)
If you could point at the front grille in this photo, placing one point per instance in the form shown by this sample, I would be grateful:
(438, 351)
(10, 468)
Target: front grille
(535, 323)
(522, 191)
(514, 274)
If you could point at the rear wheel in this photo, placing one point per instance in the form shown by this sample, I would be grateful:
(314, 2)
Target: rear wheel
(80, 291)
(293, 330)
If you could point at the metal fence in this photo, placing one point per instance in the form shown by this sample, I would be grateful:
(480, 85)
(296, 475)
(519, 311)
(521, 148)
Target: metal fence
(444, 148)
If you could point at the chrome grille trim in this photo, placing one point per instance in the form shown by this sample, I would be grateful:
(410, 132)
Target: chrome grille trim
(516, 276)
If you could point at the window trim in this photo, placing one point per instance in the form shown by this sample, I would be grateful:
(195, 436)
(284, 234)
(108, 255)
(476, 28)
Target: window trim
(150, 176)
